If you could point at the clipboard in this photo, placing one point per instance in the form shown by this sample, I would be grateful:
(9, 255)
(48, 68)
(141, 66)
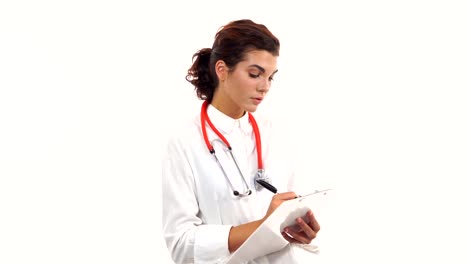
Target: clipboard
(267, 237)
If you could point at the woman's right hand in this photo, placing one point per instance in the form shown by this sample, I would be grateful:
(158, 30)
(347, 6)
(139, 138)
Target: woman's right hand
(277, 200)
(238, 234)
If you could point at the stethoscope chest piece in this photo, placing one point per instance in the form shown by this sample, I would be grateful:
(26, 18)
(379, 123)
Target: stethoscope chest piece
(260, 175)
(263, 181)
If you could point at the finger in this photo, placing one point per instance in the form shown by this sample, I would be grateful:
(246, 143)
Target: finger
(286, 234)
(285, 196)
(306, 228)
(300, 237)
(313, 222)
(288, 238)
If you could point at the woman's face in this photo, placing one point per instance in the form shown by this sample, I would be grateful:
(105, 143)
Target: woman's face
(243, 87)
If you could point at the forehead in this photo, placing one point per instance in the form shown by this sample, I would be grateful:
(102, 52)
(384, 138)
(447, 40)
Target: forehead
(261, 58)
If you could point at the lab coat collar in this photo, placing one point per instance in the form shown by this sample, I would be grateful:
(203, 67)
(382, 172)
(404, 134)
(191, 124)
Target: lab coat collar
(225, 123)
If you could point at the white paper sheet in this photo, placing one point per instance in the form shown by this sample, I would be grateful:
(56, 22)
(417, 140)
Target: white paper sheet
(267, 238)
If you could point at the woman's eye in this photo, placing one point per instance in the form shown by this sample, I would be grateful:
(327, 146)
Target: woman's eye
(270, 79)
(254, 75)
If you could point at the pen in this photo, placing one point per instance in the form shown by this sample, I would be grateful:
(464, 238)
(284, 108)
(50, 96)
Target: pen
(268, 186)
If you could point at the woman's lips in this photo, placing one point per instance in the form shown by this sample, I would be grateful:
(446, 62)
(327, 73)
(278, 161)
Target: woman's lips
(257, 100)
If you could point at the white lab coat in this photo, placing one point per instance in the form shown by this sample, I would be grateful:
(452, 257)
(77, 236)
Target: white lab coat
(199, 207)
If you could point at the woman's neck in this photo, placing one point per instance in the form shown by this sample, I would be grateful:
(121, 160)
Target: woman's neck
(228, 107)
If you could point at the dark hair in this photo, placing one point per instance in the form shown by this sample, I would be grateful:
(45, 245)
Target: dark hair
(232, 42)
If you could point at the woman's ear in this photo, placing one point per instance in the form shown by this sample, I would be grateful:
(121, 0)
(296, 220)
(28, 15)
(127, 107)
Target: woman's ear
(221, 70)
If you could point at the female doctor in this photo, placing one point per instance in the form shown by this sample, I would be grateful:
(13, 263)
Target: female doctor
(221, 171)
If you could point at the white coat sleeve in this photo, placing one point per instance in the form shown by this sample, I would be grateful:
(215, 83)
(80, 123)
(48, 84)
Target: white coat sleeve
(188, 239)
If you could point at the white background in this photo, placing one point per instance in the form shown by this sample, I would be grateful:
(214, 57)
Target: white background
(372, 92)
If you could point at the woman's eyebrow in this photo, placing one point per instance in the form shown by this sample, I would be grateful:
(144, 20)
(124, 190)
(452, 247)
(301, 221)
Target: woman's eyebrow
(261, 68)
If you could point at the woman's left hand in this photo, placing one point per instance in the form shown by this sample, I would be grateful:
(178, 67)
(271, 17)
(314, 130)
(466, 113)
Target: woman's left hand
(302, 232)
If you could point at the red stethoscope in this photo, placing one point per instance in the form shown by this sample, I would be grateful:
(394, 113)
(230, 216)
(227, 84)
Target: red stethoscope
(260, 176)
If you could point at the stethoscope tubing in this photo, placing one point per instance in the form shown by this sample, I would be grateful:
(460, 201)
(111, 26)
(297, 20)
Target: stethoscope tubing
(205, 119)
(247, 192)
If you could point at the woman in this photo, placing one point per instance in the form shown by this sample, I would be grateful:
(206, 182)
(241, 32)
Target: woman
(214, 199)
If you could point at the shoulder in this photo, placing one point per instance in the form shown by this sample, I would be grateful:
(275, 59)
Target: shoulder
(274, 133)
(264, 122)
(270, 128)
(183, 132)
